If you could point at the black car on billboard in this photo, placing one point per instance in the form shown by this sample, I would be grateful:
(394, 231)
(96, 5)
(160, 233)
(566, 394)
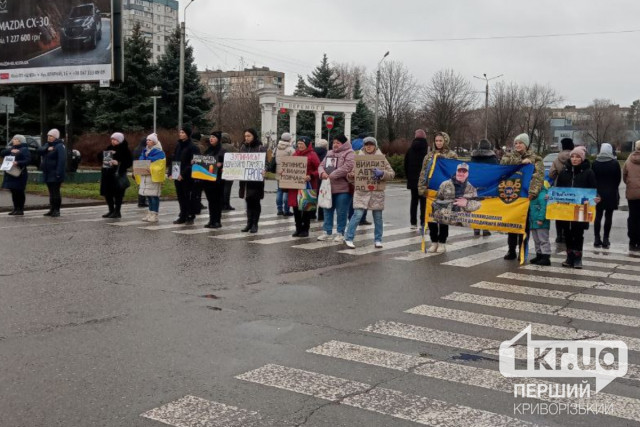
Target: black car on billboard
(82, 28)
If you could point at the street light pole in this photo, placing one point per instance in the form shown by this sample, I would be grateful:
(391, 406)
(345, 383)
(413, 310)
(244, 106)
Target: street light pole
(155, 96)
(375, 119)
(486, 102)
(181, 84)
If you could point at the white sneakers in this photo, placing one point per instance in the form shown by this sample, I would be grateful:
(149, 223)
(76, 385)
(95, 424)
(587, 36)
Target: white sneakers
(413, 227)
(339, 238)
(147, 216)
(349, 244)
(442, 248)
(378, 245)
(153, 217)
(433, 248)
(324, 236)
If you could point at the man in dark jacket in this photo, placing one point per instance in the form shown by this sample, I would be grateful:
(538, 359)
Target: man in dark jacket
(412, 167)
(181, 174)
(484, 154)
(53, 165)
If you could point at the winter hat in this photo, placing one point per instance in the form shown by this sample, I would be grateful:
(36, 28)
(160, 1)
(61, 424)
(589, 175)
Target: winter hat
(20, 138)
(218, 135)
(340, 137)
(225, 138)
(524, 138)
(485, 144)
(153, 137)
(420, 134)
(638, 145)
(370, 140)
(567, 143)
(322, 143)
(118, 137)
(580, 151)
(286, 136)
(606, 149)
(54, 133)
(187, 129)
(305, 139)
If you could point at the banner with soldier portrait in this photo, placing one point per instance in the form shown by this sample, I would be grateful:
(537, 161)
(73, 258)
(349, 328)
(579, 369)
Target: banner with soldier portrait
(478, 195)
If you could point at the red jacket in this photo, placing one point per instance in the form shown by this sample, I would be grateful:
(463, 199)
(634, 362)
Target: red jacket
(312, 170)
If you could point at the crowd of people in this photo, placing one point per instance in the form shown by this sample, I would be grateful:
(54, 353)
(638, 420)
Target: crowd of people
(348, 205)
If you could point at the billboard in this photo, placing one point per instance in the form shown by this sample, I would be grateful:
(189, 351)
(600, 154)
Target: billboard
(56, 41)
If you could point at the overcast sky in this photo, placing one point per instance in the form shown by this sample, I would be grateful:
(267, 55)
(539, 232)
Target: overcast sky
(580, 68)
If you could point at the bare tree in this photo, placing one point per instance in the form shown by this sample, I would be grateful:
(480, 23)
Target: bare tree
(397, 92)
(218, 90)
(604, 123)
(505, 107)
(536, 113)
(347, 74)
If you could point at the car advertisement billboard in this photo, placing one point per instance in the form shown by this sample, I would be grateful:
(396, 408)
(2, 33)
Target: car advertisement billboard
(55, 41)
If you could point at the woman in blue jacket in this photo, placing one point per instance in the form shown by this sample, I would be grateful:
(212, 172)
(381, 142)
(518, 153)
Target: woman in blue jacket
(54, 163)
(17, 184)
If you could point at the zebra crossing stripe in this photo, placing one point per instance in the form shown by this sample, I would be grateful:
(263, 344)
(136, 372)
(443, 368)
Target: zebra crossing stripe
(624, 407)
(228, 227)
(554, 310)
(451, 247)
(363, 250)
(199, 221)
(603, 264)
(632, 289)
(611, 257)
(573, 271)
(606, 252)
(587, 298)
(193, 411)
(477, 259)
(270, 231)
(410, 407)
(326, 244)
(515, 325)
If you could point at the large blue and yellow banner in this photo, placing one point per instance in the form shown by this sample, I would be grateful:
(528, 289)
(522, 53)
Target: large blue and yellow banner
(478, 195)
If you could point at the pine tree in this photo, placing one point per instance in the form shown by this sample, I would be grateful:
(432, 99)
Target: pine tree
(196, 104)
(301, 87)
(362, 119)
(323, 82)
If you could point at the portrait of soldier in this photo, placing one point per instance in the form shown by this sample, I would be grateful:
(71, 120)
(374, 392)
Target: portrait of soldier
(456, 195)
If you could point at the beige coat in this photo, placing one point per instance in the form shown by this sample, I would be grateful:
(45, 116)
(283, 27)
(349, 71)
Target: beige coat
(372, 200)
(631, 176)
(444, 153)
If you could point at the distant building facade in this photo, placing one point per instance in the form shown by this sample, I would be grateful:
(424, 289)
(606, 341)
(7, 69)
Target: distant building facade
(242, 83)
(158, 20)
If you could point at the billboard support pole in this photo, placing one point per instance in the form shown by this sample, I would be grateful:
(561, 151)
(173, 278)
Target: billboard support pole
(181, 84)
(43, 113)
(6, 109)
(68, 97)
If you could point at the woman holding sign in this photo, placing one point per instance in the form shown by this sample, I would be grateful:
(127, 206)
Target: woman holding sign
(16, 180)
(115, 159)
(151, 184)
(303, 217)
(214, 190)
(252, 191)
(364, 200)
(577, 173)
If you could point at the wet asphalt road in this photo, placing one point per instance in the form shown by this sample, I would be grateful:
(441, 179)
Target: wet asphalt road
(101, 323)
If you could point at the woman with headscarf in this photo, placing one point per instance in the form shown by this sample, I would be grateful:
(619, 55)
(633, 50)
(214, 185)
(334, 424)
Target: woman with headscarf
(17, 184)
(53, 163)
(303, 218)
(577, 173)
(438, 233)
(214, 190)
(252, 191)
(151, 184)
(187, 196)
(608, 176)
(412, 167)
(114, 167)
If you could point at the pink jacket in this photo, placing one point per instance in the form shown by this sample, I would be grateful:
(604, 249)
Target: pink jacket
(339, 163)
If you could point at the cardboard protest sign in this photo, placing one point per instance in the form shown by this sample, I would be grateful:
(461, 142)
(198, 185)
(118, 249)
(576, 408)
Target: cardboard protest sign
(142, 167)
(571, 204)
(363, 172)
(9, 167)
(243, 166)
(293, 172)
(175, 170)
(205, 168)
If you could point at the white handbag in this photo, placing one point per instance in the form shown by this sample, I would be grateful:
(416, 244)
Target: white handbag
(324, 194)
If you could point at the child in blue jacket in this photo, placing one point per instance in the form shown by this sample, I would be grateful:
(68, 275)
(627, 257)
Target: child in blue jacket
(539, 227)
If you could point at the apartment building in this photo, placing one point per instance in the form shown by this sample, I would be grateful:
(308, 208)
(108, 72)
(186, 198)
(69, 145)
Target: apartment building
(158, 20)
(242, 83)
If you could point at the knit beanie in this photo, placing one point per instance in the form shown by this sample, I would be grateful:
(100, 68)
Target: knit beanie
(187, 129)
(286, 136)
(420, 134)
(322, 143)
(485, 144)
(54, 133)
(218, 135)
(524, 138)
(580, 151)
(118, 137)
(567, 144)
(153, 137)
(20, 138)
(340, 137)
(305, 139)
(369, 140)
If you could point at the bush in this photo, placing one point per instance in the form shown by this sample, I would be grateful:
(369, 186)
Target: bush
(397, 163)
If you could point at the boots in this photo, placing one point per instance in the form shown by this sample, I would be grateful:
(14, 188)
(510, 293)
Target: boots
(249, 221)
(55, 212)
(570, 259)
(537, 258)
(254, 223)
(545, 259)
(577, 261)
(605, 243)
(511, 254)
(298, 230)
(597, 243)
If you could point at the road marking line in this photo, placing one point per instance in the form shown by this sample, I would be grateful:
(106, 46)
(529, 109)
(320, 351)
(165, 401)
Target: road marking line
(605, 252)
(198, 221)
(384, 401)
(271, 230)
(632, 289)
(192, 411)
(624, 407)
(451, 247)
(515, 325)
(603, 264)
(320, 245)
(612, 257)
(364, 250)
(554, 310)
(546, 293)
(282, 239)
(578, 272)
(477, 259)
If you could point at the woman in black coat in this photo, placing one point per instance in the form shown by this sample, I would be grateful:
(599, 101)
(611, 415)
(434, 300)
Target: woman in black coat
(214, 190)
(412, 167)
(53, 163)
(252, 191)
(17, 184)
(185, 189)
(114, 168)
(608, 176)
(577, 173)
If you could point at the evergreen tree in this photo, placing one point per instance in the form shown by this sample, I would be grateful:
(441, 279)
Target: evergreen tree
(324, 83)
(362, 119)
(301, 87)
(196, 104)
(128, 106)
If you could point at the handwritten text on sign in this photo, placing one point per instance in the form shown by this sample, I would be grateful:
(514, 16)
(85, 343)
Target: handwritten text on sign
(243, 166)
(363, 172)
(293, 172)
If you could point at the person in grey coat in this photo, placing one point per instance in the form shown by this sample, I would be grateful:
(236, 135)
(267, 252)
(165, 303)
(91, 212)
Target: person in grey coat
(17, 184)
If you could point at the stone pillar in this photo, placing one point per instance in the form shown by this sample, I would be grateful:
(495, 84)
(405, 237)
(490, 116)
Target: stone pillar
(265, 121)
(274, 125)
(318, 135)
(293, 124)
(347, 125)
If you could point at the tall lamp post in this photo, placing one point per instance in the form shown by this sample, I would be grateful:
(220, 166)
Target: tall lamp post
(181, 85)
(486, 102)
(375, 119)
(155, 96)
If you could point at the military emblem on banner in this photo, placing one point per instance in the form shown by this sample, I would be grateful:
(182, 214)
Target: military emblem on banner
(509, 189)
